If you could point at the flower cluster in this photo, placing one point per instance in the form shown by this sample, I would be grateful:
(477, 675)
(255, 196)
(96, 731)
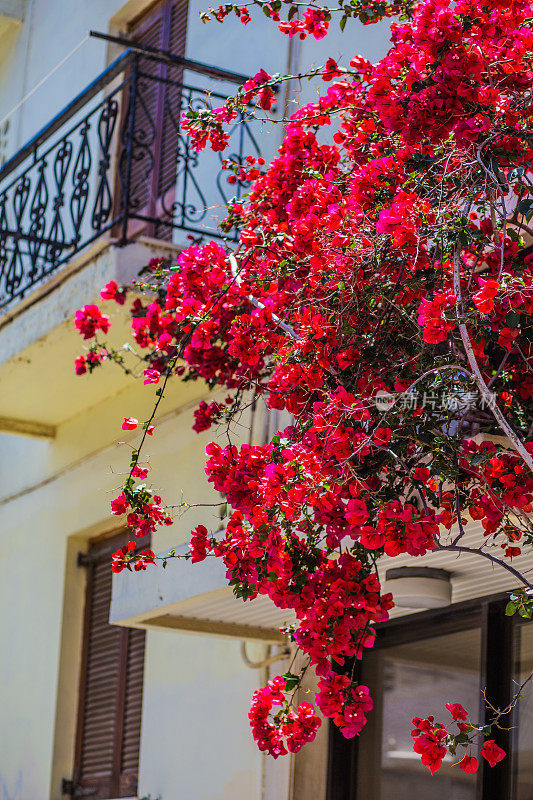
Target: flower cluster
(287, 730)
(127, 557)
(86, 363)
(314, 22)
(432, 741)
(89, 320)
(388, 257)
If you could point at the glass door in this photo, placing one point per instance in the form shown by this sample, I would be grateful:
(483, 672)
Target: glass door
(415, 679)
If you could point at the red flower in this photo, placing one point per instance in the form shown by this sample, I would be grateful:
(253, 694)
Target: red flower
(119, 505)
(511, 552)
(112, 292)
(492, 752)
(469, 764)
(421, 474)
(507, 336)
(129, 424)
(331, 70)
(382, 436)
(151, 376)
(484, 299)
(89, 320)
(199, 544)
(80, 365)
(457, 711)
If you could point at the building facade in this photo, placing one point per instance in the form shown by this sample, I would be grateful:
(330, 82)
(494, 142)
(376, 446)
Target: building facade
(96, 180)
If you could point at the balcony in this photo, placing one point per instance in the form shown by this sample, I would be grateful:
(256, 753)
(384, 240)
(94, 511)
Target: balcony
(113, 162)
(107, 184)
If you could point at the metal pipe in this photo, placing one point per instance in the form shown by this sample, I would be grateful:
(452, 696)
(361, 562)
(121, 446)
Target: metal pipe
(266, 661)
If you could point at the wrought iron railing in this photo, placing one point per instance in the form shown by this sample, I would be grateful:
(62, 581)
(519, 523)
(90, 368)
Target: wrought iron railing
(114, 161)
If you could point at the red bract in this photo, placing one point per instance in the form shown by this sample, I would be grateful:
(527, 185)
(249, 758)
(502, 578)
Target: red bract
(80, 365)
(129, 424)
(151, 376)
(111, 291)
(492, 752)
(89, 320)
(469, 764)
(119, 505)
(199, 543)
(457, 711)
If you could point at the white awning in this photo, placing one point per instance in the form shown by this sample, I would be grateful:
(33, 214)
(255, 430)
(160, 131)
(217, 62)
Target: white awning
(193, 598)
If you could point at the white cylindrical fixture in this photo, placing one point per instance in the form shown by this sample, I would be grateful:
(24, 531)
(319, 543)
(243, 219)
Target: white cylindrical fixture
(419, 587)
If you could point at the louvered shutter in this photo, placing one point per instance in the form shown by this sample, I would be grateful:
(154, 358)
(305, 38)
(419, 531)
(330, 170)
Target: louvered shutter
(109, 725)
(172, 113)
(158, 114)
(131, 736)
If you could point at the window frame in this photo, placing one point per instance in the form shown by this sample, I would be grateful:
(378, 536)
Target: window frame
(101, 549)
(166, 78)
(498, 649)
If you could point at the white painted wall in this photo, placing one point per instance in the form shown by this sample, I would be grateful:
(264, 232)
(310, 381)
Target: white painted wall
(197, 689)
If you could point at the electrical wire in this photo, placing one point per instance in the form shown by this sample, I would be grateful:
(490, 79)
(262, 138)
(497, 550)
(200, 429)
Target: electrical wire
(43, 80)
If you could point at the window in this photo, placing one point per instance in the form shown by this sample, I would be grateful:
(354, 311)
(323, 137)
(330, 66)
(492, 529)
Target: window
(410, 680)
(418, 664)
(109, 717)
(158, 115)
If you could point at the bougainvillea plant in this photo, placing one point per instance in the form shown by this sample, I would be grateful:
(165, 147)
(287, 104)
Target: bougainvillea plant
(381, 293)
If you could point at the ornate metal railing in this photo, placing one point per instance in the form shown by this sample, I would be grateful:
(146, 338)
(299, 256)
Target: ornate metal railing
(113, 161)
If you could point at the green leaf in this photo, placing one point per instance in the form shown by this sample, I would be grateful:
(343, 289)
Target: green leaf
(291, 684)
(525, 207)
(510, 608)
(342, 23)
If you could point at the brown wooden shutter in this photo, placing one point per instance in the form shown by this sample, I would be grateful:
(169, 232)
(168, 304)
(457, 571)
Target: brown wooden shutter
(109, 719)
(158, 114)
